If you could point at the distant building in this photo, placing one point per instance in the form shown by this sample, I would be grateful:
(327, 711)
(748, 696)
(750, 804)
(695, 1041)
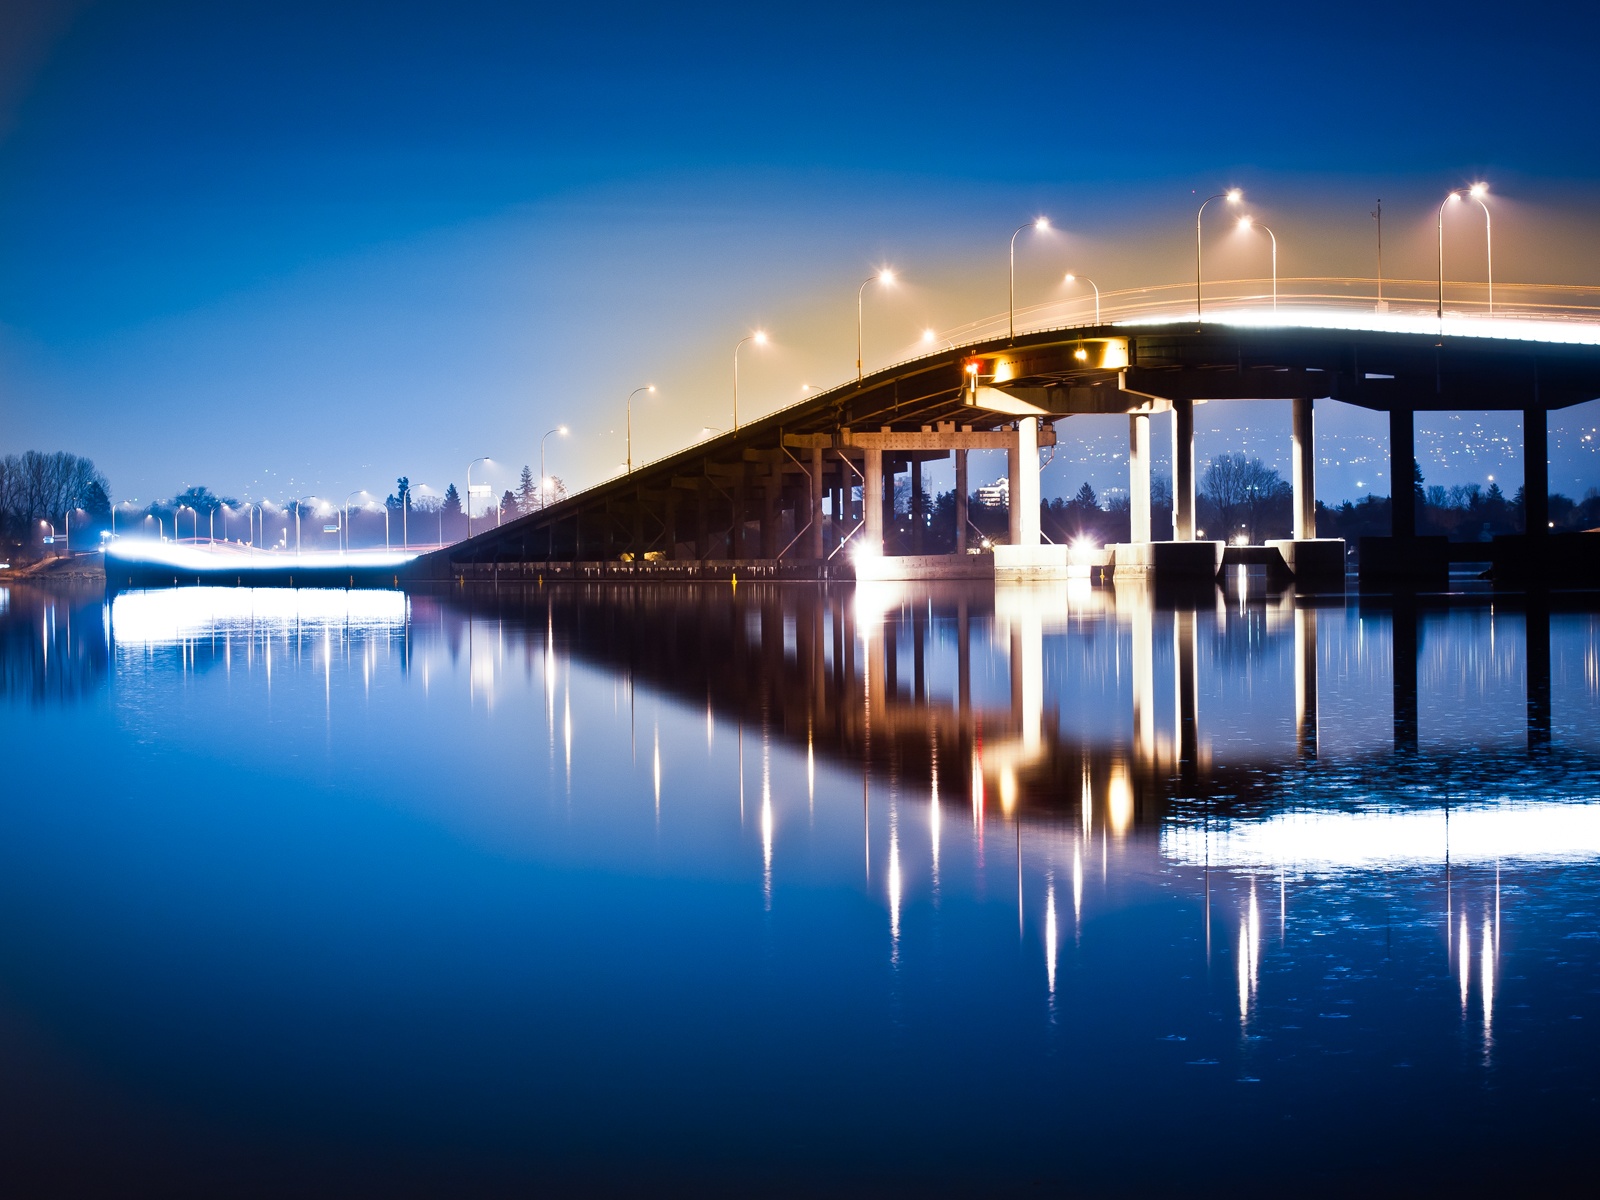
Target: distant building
(996, 494)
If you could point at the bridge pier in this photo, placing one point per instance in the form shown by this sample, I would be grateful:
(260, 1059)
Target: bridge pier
(961, 501)
(871, 534)
(1183, 484)
(1139, 477)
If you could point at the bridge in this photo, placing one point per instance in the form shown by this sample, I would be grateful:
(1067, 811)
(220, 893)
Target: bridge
(807, 492)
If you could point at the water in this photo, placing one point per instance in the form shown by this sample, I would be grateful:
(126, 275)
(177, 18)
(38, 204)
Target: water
(780, 891)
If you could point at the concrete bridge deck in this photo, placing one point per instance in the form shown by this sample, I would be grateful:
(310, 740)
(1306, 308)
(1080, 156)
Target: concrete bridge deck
(814, 483)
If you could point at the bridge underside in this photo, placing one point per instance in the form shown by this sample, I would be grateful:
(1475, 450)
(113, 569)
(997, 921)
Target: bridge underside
(809, 490)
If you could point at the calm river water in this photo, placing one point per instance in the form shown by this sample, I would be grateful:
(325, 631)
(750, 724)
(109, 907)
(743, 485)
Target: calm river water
(776, 890)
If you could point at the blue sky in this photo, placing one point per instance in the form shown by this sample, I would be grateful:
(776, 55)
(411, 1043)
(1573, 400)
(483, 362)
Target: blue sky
(288, 249)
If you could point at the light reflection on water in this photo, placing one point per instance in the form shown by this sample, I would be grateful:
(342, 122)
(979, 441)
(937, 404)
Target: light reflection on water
(421, 874)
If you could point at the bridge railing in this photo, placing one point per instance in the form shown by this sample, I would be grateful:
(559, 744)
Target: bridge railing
(1464, 299)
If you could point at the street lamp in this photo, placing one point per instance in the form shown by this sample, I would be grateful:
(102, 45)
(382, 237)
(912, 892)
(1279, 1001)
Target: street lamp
(1232, 196)
(649, 387)
(1477, 192)
(175, 513)
(759, 337)
(1444, 204)
(544, 480)
(344, 529)
(1071, 278)
(1039, 223)
(885, 276)
(479, 459)
(1247, 223)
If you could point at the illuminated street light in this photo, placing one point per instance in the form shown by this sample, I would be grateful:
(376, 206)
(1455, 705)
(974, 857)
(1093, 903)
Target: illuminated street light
(344, 530)
(759, 337)
(175, 513)
(1232, 196)
(544, 480)
(470, 465)
(1040, 223)
(1251, 222)
(1071, 278)
(1477, 191)
(885, 276)
(1444, 204)
(649, 387)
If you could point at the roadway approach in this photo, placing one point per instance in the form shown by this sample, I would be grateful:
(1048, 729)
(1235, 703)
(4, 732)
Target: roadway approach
(805, 493)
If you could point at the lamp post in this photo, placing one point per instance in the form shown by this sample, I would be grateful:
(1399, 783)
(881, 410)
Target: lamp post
(175, 513)
(1074, 278)
(544, 480)
(1477, 191)
(470, 465)
(649, 387)
(1011, 287)
(759, 337)
(344, 530)
(1443, 204)
(1232, 196)
(885, 276)
(1249, 222)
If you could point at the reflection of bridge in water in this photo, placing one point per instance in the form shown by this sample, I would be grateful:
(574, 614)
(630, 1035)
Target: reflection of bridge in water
(1038, 700)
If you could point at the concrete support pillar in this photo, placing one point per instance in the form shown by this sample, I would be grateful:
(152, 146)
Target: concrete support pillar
(1304, 470)
(741, 506)
(1402, 472)
(1025, 492)
(1013, 504)
(669, 519)
(889, 473)
(1536, 472)
(917, 515)
(961, 501)
(771, 493)
(702, 524)
(871, 535)
(814, 492)
(1139, 477)
(1183, 470)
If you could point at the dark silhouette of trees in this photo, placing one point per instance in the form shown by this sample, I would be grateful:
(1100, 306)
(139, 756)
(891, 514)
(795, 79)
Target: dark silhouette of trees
(1243, 497)
(527, 492)
(38, 487)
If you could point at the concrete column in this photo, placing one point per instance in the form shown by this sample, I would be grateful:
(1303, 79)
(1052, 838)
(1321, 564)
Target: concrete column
(1139, 477)
(871, 535)
(1025, 491)
(1536, 472)
(814, 534)
(1183, 470)
(1402, 473)
(702, 524)
(917, 520)
(1013, 501)
(771, 494)
(889, 473)
(1304, 469)
(961, 501)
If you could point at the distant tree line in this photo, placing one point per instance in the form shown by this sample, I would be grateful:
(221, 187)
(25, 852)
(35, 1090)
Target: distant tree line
(37, 492)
